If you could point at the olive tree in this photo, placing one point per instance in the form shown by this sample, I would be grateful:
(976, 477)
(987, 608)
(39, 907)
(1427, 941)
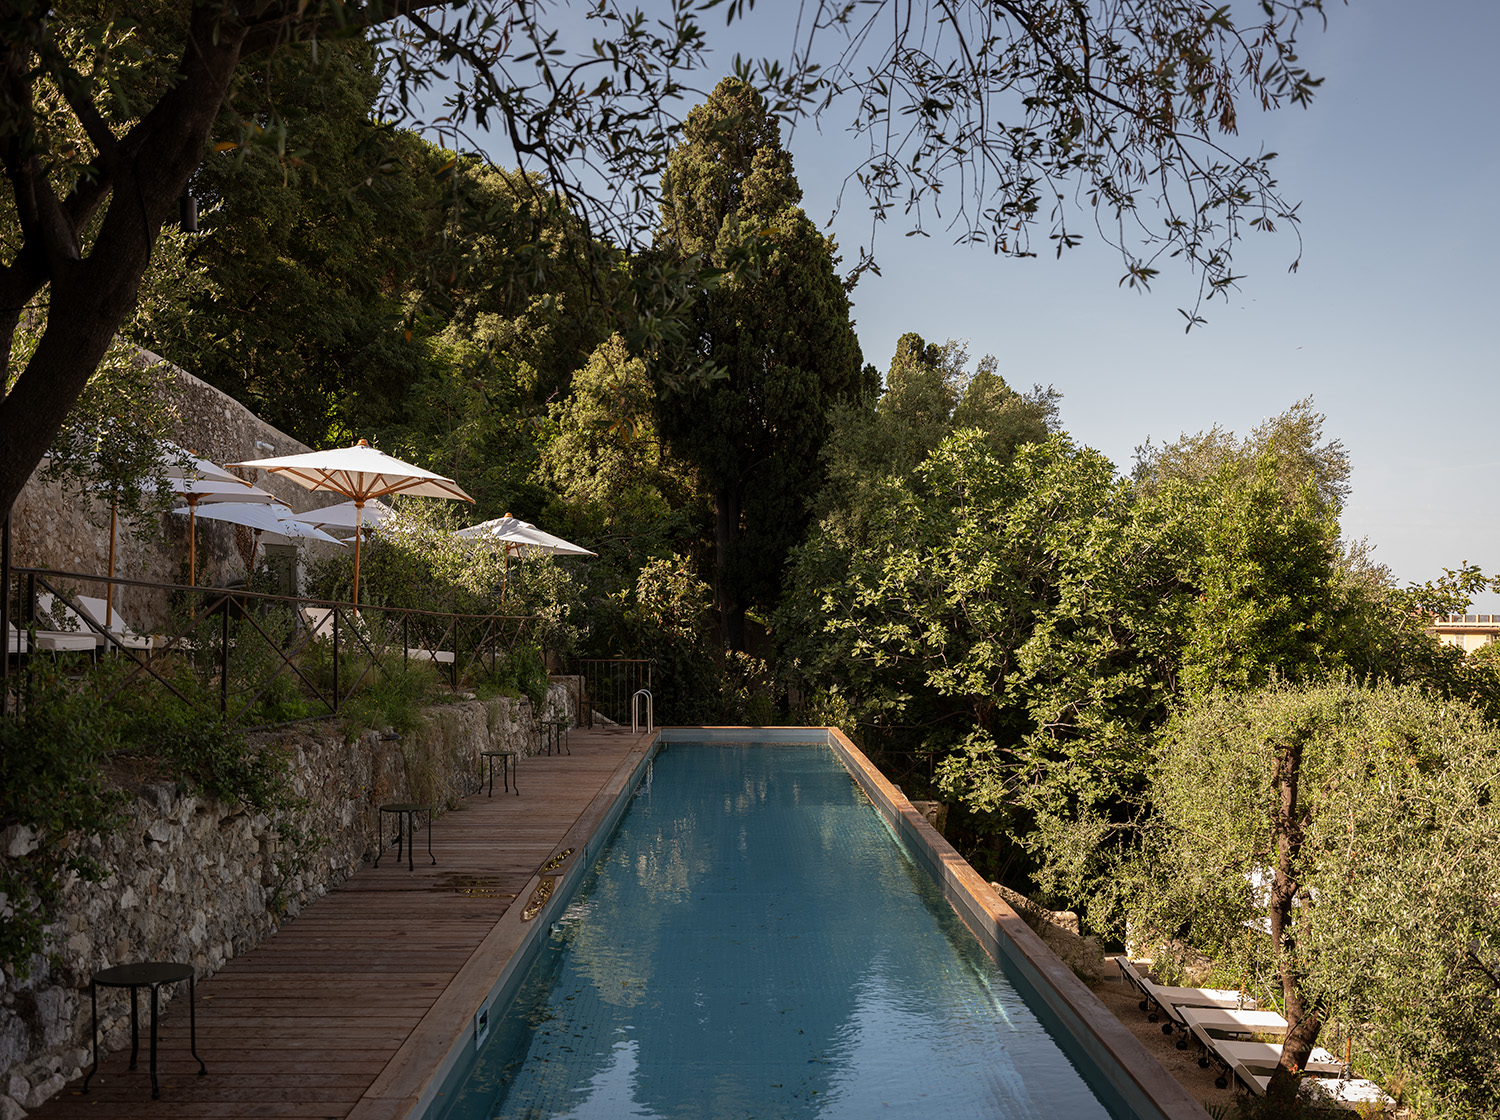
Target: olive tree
(1372, 815)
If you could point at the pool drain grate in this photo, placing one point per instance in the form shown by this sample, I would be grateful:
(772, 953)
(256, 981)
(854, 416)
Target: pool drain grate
(474, 887)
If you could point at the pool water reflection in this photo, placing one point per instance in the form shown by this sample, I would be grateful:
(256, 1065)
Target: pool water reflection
(754, 942)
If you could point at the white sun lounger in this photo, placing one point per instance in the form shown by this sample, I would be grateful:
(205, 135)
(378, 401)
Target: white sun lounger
(1167, 1000)
(319, 621)
(441, 656)
(91, 623)
(51, 641)
(1244, 1059)
(121, 632)
(1229, 1021)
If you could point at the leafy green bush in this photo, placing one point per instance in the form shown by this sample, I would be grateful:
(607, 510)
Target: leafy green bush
(53, 799)
(210, 757)
(396, 697)
(61, 758)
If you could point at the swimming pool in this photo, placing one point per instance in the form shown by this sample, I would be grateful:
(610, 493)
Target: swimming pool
(756, 940)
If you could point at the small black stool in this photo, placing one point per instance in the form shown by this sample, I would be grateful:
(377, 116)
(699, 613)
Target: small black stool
(508, 761)
(406, 830)
(555, 733)
(147, 974)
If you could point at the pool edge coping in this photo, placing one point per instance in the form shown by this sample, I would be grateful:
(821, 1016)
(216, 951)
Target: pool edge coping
(411, 1081)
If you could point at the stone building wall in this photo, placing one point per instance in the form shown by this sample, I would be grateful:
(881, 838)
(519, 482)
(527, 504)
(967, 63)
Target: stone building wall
(194, 879)
(69, 532)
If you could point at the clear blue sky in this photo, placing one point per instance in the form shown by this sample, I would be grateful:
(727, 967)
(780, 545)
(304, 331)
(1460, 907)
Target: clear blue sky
(1389, 323)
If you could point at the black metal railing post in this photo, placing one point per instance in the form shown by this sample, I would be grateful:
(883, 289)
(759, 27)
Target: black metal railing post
(5, 616)
(224, 656)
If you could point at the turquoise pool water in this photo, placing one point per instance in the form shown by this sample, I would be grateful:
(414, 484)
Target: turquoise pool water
(754, 942)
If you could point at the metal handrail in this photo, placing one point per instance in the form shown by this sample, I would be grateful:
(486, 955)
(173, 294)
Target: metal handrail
(608, 684)
(635, 726)
(474, 638)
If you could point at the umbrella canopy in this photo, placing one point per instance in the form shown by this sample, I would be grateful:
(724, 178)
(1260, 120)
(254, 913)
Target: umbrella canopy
(345, 514)
(177, 463)
(522, 537)
(194, 479)
(359, 473)
(273, 518)
(213, 490)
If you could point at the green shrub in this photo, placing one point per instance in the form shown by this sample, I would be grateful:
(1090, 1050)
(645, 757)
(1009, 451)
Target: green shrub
(54, 794)
(521, 672)
(395, 698)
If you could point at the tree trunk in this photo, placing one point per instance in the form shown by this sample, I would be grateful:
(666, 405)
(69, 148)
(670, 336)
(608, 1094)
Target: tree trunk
(90, 296)
(727, 499)
(1304, 1017)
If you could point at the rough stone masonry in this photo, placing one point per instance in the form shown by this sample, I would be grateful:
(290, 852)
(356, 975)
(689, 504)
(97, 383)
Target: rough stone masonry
(197, 880)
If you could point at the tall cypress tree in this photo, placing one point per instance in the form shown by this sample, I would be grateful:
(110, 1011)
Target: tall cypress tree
(780, 332)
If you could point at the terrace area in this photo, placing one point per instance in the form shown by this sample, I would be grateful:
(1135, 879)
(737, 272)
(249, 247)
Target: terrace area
(348, 1009)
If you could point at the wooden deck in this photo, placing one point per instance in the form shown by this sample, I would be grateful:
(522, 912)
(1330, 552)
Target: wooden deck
(347, 1010)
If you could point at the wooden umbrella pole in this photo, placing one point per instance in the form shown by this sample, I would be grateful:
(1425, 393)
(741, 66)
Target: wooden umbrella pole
(192, 542)
(359, 513)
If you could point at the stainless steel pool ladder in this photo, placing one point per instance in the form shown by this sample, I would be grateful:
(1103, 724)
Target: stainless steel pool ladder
(635, 712)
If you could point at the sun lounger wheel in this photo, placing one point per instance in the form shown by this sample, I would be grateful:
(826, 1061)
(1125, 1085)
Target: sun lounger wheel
(1202, 1061)
(1182, 1043)
(1142, 1005)
(1166, 1028)
(1221, 1081)
(1151, 1018)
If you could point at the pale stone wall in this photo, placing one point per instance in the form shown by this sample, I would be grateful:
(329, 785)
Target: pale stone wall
(70, 532)
(193, 879)
(1061, 931)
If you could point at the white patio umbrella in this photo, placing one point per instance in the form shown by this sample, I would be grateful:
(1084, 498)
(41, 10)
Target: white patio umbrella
(360, 473)
(522, 537)
(272, 518)
(345, 515)
(193, 479)
(177, 463)
(211, 491)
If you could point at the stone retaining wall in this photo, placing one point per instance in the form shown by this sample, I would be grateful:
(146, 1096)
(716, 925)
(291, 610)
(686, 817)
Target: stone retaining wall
(193, 879)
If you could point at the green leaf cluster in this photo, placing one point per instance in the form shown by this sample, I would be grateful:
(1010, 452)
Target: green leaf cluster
(1006, 613)
(54, 800)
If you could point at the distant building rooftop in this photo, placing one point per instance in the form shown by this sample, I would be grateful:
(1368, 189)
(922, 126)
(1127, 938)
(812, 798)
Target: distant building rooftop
(1467, 631)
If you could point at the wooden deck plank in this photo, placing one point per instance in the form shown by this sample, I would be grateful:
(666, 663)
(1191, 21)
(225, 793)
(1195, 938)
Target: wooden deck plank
(307, 1021)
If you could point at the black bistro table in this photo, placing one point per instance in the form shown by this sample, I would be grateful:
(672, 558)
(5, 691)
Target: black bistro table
(508, 760)
(405, 813)
(554, 733)
(147, 974)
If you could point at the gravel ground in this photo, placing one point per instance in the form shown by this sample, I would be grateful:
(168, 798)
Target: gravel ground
(1181, 1064)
